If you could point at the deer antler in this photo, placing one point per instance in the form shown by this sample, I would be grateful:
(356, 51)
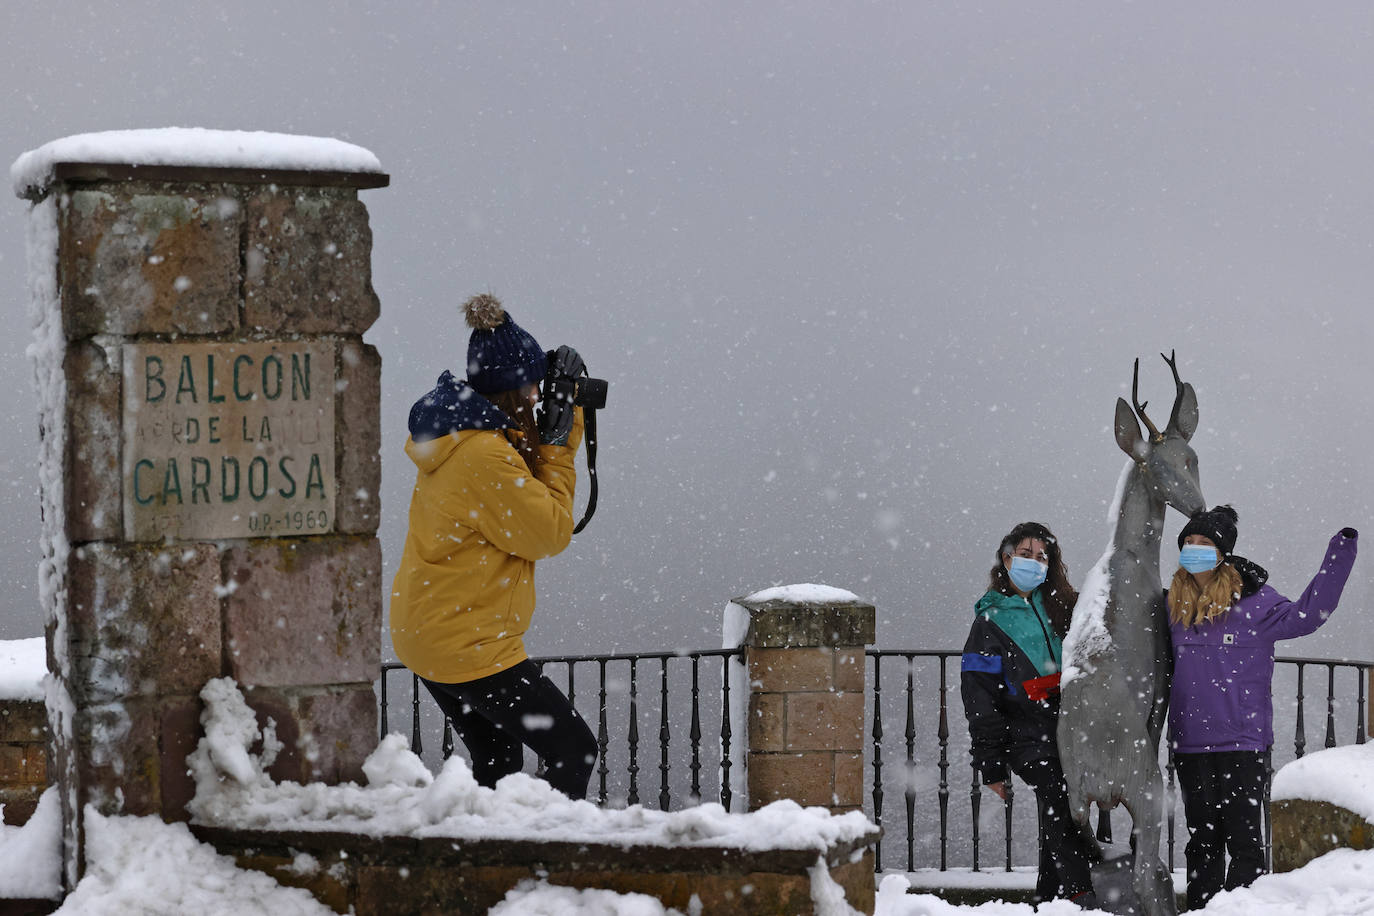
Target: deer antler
(1139, 407)
(1178, 388)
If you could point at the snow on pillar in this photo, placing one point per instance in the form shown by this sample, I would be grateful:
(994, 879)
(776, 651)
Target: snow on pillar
(209, 419)
(804, 653)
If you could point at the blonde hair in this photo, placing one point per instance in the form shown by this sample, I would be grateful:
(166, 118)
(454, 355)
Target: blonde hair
(1190, 603)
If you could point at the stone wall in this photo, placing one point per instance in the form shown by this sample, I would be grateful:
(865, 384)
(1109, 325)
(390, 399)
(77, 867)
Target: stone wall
(1304, 830)
(23, 757)
(188, 300)
(371, 876)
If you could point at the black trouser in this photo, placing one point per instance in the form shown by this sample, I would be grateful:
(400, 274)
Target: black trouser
(495, 715)
(1064, 853)
(1223, 799)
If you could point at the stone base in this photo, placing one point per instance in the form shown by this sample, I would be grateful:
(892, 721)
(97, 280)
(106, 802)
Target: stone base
(401, 875)
(27, 907)
(20, 803)
(1304, 830)
(23, 758)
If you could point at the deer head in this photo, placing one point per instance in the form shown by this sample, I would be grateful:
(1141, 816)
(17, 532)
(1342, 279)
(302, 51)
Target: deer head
(1165, 459)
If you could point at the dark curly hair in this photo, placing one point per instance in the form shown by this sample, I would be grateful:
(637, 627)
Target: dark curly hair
(1059, 595)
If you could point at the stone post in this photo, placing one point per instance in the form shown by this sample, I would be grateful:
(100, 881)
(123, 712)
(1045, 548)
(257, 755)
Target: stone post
(805, 730)
(209, 470)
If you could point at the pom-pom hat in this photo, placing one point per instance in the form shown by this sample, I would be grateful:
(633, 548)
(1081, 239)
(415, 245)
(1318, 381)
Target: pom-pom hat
(1218, 524)
(502, 356)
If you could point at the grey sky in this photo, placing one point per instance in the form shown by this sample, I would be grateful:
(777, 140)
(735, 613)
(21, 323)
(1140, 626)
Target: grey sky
(866, 279)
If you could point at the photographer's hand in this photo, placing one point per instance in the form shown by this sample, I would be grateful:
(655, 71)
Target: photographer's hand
(555, 412)
(555, 419)
(565, 362)
(555, 415)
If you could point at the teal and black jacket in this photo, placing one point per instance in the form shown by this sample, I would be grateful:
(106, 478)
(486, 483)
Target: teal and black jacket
(1010, 683)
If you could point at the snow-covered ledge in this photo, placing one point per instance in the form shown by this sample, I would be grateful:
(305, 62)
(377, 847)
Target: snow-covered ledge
(444, 843)
(23, 727)
(23, 665)
(1321, 802)
(176, 153)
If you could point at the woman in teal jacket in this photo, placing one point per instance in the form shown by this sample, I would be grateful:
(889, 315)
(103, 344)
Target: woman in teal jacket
(1010, 686)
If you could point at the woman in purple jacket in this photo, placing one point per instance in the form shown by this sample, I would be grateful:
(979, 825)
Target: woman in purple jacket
(1224, 622)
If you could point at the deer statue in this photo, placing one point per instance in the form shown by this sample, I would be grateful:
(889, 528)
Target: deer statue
(1117, 660)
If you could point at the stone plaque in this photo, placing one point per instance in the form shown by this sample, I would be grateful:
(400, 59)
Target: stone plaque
(228, 440)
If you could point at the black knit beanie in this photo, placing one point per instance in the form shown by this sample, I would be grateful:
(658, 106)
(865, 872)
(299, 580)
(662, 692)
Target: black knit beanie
(502, 356)
(1217, 523)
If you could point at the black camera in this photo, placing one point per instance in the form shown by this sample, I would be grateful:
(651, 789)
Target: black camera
(566, 384)
(584, 392)
(567, 381)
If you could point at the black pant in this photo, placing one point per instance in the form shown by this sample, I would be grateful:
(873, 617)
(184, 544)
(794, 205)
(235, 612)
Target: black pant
(495, 715)
(1223, 799)
(1064, 853)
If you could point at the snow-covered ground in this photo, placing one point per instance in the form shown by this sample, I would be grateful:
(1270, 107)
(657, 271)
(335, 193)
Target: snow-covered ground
(141, 865)
(30, 856)
(1340, 883)
(146, 866)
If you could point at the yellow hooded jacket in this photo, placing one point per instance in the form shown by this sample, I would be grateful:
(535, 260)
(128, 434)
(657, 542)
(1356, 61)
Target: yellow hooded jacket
(464, 593)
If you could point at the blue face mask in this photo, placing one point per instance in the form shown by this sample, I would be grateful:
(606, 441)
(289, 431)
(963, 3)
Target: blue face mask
(1026, 573)
(1198, 558)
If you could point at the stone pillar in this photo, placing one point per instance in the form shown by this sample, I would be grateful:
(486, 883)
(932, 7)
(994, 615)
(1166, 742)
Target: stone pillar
(209, 470)
(806, 700)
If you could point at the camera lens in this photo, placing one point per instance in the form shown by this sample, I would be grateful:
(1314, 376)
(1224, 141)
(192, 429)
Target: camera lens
(591, 392)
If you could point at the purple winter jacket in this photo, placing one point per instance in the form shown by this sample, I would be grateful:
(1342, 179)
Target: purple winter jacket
(1222, 697)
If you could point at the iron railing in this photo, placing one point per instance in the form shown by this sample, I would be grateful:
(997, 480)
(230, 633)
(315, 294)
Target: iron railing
(917, 687)
(619, 697)
(918, 753)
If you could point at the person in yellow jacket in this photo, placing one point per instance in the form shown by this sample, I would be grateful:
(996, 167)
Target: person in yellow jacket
(493, 494)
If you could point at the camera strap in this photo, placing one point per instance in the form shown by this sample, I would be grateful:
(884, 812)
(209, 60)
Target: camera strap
(589, 423)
